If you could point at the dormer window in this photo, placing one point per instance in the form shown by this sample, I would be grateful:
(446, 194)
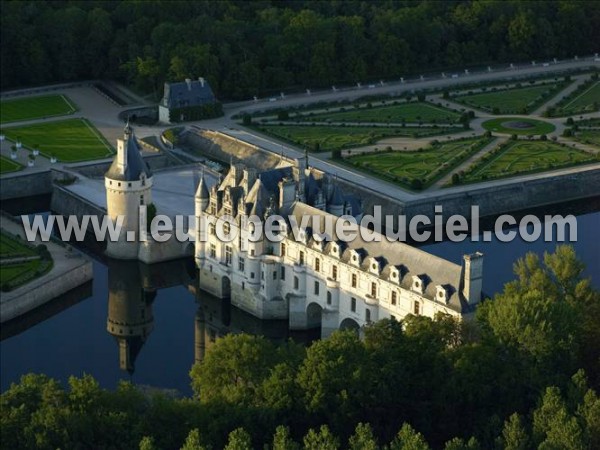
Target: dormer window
(442, 294)
(417, 284)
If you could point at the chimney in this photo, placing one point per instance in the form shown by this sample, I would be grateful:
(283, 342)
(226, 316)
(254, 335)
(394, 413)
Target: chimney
(287, 193)
(472, 277)
(189, 83)
(201, 80)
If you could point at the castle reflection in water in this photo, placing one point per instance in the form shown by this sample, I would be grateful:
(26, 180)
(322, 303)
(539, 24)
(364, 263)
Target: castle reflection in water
(132, 288)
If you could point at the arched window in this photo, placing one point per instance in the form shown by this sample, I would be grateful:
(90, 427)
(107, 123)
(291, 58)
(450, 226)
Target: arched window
(329, 297)
(368, 315)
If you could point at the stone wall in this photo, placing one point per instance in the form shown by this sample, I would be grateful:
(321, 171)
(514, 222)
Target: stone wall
(98, 169)
(20, 185)
(492, 200)
(215, 145)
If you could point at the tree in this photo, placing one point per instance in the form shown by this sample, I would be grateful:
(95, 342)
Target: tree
(514, 435)
(192, 442)
(321, 440)
(363, 438)
(553, 426)
(234, 369)
(282, 439)
(408, 439)
(147, 443)
(239, 439)
(460, 444)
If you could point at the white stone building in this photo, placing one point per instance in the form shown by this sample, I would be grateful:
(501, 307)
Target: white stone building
(315, 283)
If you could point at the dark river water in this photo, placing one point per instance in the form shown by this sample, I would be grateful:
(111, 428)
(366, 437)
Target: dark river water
(70, 336)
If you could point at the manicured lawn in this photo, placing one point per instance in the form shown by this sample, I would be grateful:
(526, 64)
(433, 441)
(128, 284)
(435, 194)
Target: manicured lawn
(511, 101)
(525, 157)
(518, 125)
(340, 137)
(35, 108)
(11, 247)
(408, 112)
(584, 102)
(426, 165)
(588, 137)
(69, 140)
(8, 165)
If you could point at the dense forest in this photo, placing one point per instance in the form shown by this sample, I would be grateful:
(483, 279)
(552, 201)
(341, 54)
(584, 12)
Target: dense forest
(523, 375)
(254, 48)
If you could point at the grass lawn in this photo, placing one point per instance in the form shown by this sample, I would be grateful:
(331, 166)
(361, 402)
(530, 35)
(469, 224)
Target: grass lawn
(8, 165)
(425, 165)
(584, 102)
(35, 108)
(69, 140)
(511, 101)
(11, 247)
(591, 137)
(518, 125)
(9, 272)
(329, 138)
(408, 112)
(519, 157)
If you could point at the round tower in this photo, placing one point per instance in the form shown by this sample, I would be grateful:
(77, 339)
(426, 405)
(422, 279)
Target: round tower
(128, 184)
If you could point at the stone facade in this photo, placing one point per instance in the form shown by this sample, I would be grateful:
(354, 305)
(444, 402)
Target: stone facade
(308, 281)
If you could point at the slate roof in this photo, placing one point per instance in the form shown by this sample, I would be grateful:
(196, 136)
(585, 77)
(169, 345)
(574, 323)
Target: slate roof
(182, 94)
(409, 260)
(135, 163)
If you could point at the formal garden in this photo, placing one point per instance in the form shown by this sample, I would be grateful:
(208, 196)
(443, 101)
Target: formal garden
(517, 157)
(7, 165)
(517, 99)
(67, 140)
(584, 99)
(329, 137)
(418, 169)
(518, 126)
(30, 108)
(21, 262)
(396, 112)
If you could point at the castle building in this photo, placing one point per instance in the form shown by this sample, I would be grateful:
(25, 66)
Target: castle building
(185, 94)
(313, 282)
(128, 185)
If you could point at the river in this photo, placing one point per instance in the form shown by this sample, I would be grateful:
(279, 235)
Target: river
(175, 324)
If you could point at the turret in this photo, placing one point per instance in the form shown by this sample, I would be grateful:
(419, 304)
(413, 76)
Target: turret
(335, 202)
(202, 196)
(128, 184)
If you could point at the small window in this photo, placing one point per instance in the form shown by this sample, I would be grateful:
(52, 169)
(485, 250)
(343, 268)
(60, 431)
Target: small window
(213, 251)
(128, 184)
(316, 288)
(282, 249)
(252, 252)
(228, 254)
(262, 274)
(417, 308)
(301, 258)
(119, 184)
(353, 304)
(211, 229)
(252, 275)
(282, 273)
(354, 280)
(243, 285)
(317, 264)
(394, 297)
(334, 273)
(373, 289)
(329, 297)
(374, 266)
(274, 274)
(368, 315)
(241, 264)
(141, 199)
(296, 283)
